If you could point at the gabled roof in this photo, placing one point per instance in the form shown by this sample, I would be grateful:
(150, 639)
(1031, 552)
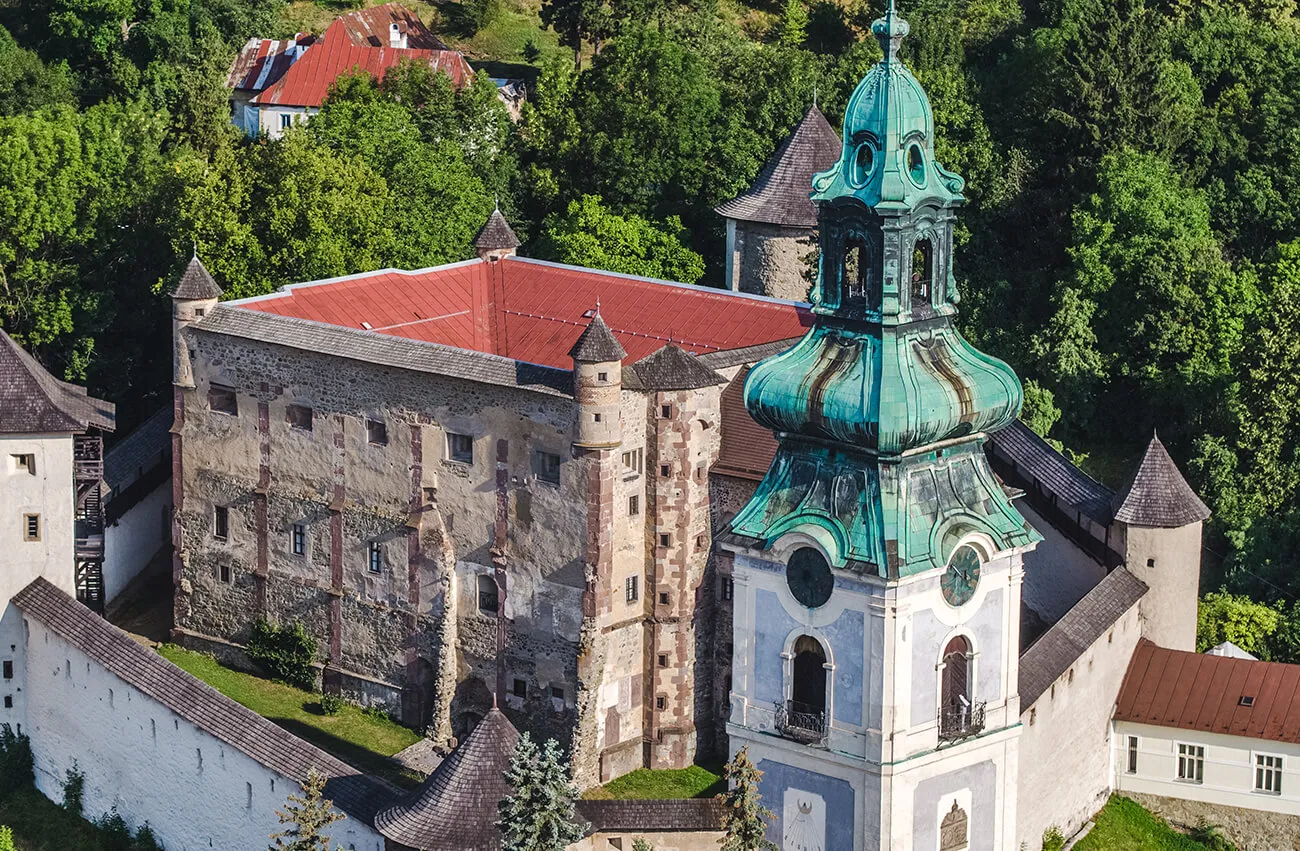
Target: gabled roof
(370, 27)
(1071, 636)
(1157, 494)
(1036, 460)
(671, 368)
(779, 195)
(198, 703)
(1197, 691)
(455, 808)
(262, 61)
(597, 344)
(308, 81)
(196, 282)
(33, 401)
(496, 234)
(528, 310)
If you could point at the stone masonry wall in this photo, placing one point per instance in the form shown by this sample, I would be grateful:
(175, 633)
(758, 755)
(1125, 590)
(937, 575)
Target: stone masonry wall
(772, 260)
(1248, 830)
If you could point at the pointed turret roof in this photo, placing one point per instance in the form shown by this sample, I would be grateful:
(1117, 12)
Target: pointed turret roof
(597, 343)
(196, 283)
(673, 368)
(32, 400)
(455, 808)
(496, 234)
(1157, 494)
(779, 196)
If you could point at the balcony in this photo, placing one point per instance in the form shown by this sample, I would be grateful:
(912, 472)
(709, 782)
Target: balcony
(961, 722)
(801, 722)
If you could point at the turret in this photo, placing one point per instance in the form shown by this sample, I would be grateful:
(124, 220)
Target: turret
(598, 385)
(1157, 529)
(496, 239)
(194, 296)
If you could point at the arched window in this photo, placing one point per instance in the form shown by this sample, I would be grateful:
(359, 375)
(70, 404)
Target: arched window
(959, 716)
(922, 271)
(856, 268)
(809, 691)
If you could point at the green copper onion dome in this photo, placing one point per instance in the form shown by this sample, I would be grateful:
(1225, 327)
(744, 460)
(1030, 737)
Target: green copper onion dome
(881, 408)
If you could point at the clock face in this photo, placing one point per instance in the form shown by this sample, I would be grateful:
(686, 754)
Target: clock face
(809, 577)
(961, 577)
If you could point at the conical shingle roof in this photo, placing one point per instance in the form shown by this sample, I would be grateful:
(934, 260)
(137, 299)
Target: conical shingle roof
(673, 368)
(597, 343)
(455, 808)
(196, 283)
(779, 196)
(32, 400)
(496, 234)
(1157, 494)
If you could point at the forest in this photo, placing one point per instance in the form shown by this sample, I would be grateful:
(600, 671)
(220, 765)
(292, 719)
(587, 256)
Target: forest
(1130, 242)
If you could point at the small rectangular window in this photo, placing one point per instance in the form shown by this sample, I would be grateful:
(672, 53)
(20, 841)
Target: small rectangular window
(222, 400)
(25, 463)
(460, 448)
(9, 701)
(489, 599)
(665, 411)
(557, 692)
(221, 523)
(299, 416)
(595, 418)
(31, 527)
(286, 120)
(299, 537)
(1132, 754)
(664, 540)
(633, 460)
(519, 688)
(1191, 763)
(633, 506)
(224, 573)
(631, 588)
(602, 376)
(376, 432)
(375, 557)
(546, 466)
(728, 587)
(200, 312)
(663, 660)
(663, 598)
(1268, 774)
(665, 469)
(661, 702)
(9, 669)
(430, 494)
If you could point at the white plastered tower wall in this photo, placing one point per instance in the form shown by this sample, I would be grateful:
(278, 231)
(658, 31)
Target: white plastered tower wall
(1168, 560)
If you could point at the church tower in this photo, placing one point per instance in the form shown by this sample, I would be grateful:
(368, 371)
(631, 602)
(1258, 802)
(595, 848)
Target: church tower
(878, 566)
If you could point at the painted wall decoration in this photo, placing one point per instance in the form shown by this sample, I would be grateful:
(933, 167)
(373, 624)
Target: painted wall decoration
(804, 817)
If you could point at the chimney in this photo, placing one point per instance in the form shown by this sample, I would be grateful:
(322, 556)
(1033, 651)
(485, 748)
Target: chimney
(396, 37)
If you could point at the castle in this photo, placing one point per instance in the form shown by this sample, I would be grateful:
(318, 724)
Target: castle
(663, 522)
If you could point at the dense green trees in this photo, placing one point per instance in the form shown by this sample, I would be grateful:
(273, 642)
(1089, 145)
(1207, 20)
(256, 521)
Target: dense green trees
(588, 234)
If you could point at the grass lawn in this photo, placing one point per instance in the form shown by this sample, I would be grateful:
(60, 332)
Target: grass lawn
(39, 824)
(353, 736)
(1123, 825)
(694, 782)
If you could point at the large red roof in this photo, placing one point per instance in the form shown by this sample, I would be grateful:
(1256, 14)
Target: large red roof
(262, 61)
(1196, 691)
(309, 79)
(533, 311)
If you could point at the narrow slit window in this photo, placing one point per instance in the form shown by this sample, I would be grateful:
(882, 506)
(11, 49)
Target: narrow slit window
(922, 272)
(632, 588)
(221, 523)
(299, 539)
(375, 557)
(728, 588)
(1132, 755)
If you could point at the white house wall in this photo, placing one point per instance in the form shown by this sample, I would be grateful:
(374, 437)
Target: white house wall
(195, 791)
(49, 493)
(132, 540)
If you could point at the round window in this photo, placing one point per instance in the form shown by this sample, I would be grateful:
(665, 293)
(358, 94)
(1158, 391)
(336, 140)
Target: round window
(809, 577)
(916, 164)
(863, 164)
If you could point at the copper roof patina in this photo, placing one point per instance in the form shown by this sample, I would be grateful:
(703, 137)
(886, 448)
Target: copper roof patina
(779, 195)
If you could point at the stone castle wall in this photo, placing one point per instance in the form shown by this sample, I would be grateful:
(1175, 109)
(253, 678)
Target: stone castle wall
(773, 260)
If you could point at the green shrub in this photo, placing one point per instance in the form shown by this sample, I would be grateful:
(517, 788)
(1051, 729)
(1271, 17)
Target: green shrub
(16, 767)
(74, 790)
(7, 839)
(331, 704)
(1053, 839)
(1211, 836)
(377, 712)
(531, 52)
(286, 653)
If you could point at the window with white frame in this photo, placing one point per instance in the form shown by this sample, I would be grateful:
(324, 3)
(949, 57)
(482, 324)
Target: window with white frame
(632, 589)
(1191, 763)
(375, 557)
(1131, 766)
(299, 539)
(1268, 774)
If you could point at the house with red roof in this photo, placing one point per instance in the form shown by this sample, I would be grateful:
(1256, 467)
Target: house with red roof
(277, 82)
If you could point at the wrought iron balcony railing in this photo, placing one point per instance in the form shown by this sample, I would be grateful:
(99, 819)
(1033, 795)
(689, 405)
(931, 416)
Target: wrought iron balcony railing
(801, 722)
(961, 722)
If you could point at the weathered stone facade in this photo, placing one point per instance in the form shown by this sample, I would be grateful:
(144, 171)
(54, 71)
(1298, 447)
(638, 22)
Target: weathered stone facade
(771, 260)
(411, 523)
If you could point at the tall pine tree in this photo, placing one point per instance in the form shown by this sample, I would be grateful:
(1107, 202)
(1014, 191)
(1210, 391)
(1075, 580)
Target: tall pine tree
(745, 821)
(309, 814)
(539, 816)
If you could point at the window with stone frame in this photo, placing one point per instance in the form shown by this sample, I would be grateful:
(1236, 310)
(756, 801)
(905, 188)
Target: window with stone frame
(375, 557)
(221, 522)
(376, 432)
(633, 460)
(223, 400)
(632, 588)
(489, 599)
(298, 539)
(299, 417)
(546, 467)
(634, 505)
(460, 448)
(31, 527)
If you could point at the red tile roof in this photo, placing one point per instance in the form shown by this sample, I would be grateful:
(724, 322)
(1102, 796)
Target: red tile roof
(370, 27)
(262, 61)
(1195, 691)
(308, 81)
(534, 311)
(748, 448)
